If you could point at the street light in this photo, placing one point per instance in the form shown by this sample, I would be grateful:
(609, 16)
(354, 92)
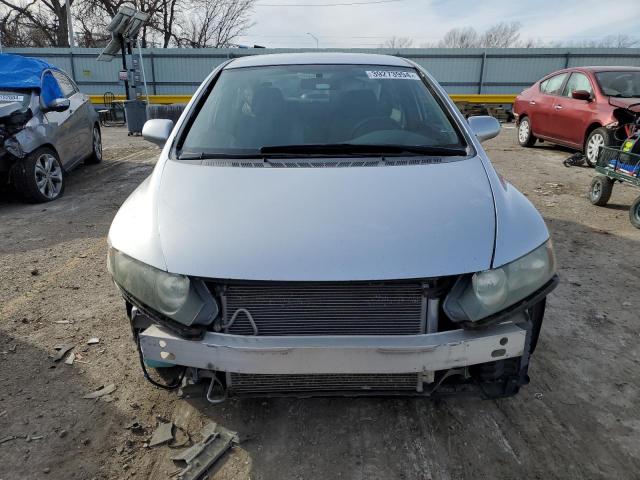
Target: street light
(315, 38)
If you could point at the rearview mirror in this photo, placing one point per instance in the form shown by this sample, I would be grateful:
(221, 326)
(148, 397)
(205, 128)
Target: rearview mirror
(58, 105)
(484, 127)
(581, 95)
(157, 131)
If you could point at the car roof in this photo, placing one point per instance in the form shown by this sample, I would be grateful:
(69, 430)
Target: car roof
(607, 68)
(319, 58)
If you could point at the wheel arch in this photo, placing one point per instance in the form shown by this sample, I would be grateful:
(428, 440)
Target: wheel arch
(593, 126)
(37, 146)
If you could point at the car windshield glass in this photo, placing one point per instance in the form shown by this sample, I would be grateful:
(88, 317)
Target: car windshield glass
(343, 107)
(620, 84)
(14, 96)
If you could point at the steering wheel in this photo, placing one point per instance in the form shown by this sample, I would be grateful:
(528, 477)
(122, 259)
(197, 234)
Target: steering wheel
(373, 124)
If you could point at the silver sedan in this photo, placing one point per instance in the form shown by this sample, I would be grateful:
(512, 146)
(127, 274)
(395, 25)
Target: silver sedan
(330, 224)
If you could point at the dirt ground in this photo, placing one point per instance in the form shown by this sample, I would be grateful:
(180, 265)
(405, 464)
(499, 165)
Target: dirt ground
(579, 418)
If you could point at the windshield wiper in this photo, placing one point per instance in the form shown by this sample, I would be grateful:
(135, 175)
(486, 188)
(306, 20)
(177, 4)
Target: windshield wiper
(207, 156)
(362, 149)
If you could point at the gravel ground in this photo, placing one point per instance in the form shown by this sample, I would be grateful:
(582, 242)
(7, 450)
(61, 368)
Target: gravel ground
(579, 417)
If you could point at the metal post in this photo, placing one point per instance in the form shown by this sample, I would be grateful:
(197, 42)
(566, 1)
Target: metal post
(70, 25)
(566, 59)
(131, 73)
(123, 51)
(144, 77)
(73, 67)
(153, 74)
(484, 58)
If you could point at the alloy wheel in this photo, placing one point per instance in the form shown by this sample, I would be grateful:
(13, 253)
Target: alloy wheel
(97, 143)
(48, 175)
(593, 147)
(523, 131)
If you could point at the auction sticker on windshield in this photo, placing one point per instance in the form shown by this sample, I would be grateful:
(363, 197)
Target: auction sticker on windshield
(379, 74)
(11, 98)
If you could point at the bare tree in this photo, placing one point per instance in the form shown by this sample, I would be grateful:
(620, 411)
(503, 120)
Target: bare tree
(214, 23)
(465, 37)
(610, 41)
(501, 35)
(44, 20)
(398, 42)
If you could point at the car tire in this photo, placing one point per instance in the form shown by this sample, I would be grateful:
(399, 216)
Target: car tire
(634, 213)
(39, 177)
(96, 143)
(525, 136)
(600, 137)
(600, 190)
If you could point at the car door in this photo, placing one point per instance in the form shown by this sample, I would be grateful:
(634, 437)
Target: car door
(543, 110)
(79, 122)
(58, 124)
(572, 116)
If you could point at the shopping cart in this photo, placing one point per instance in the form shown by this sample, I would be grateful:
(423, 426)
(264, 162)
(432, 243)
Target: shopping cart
(615, 165)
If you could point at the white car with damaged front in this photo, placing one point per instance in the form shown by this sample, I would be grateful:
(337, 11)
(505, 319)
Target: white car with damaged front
(330, 224)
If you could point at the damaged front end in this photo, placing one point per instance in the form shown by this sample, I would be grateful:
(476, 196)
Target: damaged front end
(341, 338)
(626, 115)
(14, 116)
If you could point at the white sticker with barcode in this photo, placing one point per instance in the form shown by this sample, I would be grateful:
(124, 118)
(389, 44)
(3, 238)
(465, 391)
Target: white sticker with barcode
(391, 74)
(11, 98)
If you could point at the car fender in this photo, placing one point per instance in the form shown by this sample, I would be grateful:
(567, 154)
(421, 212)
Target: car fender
(519, 226)
(134, 230)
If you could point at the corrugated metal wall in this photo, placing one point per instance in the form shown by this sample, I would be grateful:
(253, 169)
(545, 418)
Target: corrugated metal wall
(180, 71)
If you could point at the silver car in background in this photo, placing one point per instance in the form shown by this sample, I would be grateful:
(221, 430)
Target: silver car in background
(41, 138)
(322, 224)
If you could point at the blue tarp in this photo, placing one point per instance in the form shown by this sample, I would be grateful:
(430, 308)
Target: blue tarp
(27, 73)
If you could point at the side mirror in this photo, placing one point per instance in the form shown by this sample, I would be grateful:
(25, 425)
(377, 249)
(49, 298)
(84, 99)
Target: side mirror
(58, 105)
(484, 127)
(581, 95)
(157, 131)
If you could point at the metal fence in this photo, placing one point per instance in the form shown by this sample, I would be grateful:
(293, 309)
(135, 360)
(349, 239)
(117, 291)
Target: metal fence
(460, 71)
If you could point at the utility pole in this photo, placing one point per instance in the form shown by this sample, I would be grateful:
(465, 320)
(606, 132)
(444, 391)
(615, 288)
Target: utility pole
(70, 24)
(315, 38)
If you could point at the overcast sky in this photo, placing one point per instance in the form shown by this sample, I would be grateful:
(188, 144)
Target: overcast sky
(280, 24)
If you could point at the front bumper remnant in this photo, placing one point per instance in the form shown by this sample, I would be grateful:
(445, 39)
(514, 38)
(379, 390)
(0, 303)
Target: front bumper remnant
(335, 354)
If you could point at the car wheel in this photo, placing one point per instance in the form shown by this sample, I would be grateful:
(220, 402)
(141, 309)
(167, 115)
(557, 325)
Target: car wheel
(600, 192)
(600, 137)
(39, 176)
(634, 213)
(525, 136)
(96, 141)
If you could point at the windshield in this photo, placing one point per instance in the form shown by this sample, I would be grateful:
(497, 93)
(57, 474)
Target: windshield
(14, 96)
(250, 110)
(620, 84)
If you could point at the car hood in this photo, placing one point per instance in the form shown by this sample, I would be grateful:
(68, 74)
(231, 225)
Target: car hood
(625, 102)
(325, 224)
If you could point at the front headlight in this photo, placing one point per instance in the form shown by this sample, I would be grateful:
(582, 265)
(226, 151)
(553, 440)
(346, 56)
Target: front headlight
(485, 293)
(172, 295)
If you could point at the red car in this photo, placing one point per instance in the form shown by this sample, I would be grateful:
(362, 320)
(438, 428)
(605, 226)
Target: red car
(582, 108)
